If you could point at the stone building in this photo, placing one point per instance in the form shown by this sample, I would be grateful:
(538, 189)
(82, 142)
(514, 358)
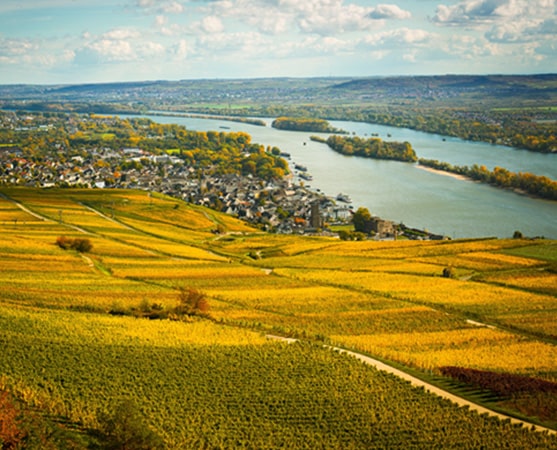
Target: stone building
(378, 226)
(316, 221)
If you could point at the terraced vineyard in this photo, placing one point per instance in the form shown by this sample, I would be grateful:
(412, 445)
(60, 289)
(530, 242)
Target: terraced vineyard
(74, 344)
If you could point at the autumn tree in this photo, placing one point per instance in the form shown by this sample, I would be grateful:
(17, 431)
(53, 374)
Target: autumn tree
(82, 245)
(192, 302)
(11, 433)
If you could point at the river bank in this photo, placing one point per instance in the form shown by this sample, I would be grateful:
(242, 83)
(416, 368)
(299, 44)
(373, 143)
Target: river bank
(456, 176)
(398, 192)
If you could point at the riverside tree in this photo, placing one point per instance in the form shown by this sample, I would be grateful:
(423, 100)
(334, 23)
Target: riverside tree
(360, 218)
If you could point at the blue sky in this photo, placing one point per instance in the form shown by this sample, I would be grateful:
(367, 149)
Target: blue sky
(81, 41)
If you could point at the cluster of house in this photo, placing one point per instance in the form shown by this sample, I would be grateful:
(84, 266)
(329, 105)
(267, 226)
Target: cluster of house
(284, 205)
(281, 205)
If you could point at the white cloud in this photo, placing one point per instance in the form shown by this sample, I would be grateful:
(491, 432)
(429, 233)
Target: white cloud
(178, 38)
(327, 17)
(410, 56)
(245, 43)
(7, 6)
(160, 21)
(401, 37)
(165, 28)
(378, 55)
(311, 46)
(119, 34)
(389, 12)
(111, 50)
(517, 31)
(172, 8)
(180, 50)
(468, 47)
(321, 17)
(212, 24)
(160, 6)
(474, 12)
(146, 3)
(16, 47)
(503, 21)
(119, 45)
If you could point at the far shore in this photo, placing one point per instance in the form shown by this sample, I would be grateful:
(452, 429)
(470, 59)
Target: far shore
(443, 172)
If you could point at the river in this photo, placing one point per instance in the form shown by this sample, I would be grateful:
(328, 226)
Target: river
(406, 193)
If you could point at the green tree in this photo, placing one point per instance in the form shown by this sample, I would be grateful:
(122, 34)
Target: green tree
(361, 217)
(449, 272)
(125, 429)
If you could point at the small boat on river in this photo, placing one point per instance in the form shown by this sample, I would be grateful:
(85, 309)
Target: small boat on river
(344, 198)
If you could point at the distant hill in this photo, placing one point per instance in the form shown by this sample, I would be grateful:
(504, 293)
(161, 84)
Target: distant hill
(298, 90)
(491, 85)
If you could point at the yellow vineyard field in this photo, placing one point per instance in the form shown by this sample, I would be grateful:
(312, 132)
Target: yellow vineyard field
(469, 295)
(110, 330)
(170, 232)
(267, 246)
(479, 348)
(404, 250)
(385, 298)
(172, 269)
(540, 281)
(484, 261)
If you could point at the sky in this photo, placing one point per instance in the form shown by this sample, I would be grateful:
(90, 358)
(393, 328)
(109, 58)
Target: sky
(94, 41)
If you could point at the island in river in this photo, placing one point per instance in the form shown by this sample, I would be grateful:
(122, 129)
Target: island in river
(305, 124)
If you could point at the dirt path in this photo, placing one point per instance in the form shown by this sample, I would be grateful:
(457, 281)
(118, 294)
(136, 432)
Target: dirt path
(104, 216)
(41, 217)
(427, 386)
(25, 209)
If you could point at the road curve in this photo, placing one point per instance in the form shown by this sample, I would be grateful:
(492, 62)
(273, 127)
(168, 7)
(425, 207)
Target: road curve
(427, 386)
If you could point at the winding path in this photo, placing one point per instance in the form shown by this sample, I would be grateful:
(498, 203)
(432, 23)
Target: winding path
(41, 217)
(427, 386)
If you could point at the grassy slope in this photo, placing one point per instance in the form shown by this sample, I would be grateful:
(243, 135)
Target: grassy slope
(383, 298)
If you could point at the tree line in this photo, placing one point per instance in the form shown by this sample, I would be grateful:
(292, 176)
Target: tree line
(372, 148)
(530, 129)
(304, 124)
(535, 185)
(64, 136)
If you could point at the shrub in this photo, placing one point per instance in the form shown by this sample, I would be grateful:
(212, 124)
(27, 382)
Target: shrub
(118, 309)
(11, 433)
(351, 235)
(192, 302)
(449, 272)
(82, 245)
(63, 242)
(124, 428)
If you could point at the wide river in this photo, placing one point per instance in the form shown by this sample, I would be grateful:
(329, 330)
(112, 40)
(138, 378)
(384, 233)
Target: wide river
(406, 193)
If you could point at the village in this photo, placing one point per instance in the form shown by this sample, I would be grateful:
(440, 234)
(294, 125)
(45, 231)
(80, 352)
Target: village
(283, 205)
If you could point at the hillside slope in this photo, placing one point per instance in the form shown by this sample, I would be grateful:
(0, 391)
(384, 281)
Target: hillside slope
(77, 341)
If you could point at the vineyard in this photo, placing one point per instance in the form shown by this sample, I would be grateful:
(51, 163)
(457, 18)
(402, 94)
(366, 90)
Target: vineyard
(75, 345)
